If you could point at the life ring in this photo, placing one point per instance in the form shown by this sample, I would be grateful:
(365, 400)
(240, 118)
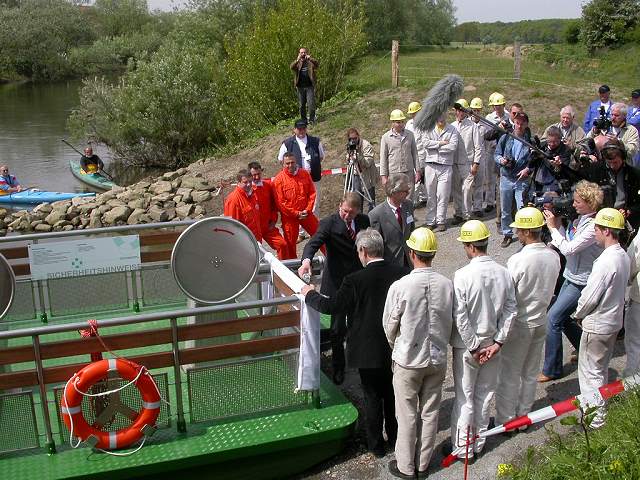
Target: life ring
(82, 381)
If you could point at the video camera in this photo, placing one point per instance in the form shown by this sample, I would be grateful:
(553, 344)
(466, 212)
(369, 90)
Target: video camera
(602, 123)
(561, 205)
(352, 144)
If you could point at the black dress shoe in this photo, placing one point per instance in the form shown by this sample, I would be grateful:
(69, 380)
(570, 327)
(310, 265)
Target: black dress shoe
(457, 220)
(378, 452)
(422, 474)
(338, 376)
(393, 470)
(506, 241)
(477, 214)
(489, 208)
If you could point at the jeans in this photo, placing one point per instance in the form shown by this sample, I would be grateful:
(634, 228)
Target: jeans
(306, 97)
(558, 322)
(508, 190)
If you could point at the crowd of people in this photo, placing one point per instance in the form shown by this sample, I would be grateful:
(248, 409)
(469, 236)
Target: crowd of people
(572, 200)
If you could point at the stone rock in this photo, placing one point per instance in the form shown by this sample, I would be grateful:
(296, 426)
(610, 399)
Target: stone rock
(142, 185)
(169, 204)
(126, 196)
(43, 208)
(185, 193)
(35, 223)
(200, 196)
(181, 171)
(84, 221)
(19, 213)
(61, 204)
(73, 212)
(94, 219)
(87, 207)
(134, 218)
(3, 212)
(162, 197)
(160, 187)
(158, 214)
(138, 203)
(116, 189)
(184, 211)
(198, 210)
(55, 216)
(170, 176)
(120, 213)
(176, 183)
(62, 223)
(171, 213)
(103, 209)
(42, 227)
(66, 228)
(77, 201)
(195, 183)
(177, 199)
(75, 221)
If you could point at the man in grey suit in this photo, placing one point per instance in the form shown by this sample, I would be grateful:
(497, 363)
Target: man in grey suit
(394, 219)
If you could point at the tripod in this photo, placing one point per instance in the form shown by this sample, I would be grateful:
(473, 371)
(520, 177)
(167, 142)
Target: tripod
(353, 184)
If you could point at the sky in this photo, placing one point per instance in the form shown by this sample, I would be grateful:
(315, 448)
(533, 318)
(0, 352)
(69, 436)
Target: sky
(479, 10)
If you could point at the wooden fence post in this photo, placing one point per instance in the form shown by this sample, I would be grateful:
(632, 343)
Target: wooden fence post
(395, 47)
(517, 65)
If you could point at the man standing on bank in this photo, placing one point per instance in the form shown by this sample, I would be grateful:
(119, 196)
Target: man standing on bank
(337, 233)
(361, 296)
(304, 68)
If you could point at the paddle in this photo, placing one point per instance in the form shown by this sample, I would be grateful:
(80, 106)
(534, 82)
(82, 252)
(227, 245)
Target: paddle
(78, 151)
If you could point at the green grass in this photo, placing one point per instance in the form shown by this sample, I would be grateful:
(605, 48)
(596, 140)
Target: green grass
(613, 452)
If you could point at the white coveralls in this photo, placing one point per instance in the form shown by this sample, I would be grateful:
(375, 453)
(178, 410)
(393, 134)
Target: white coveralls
(417, 320)
(485, 308)
(533, 270)
(479, 183)
(632, 318)
(469, 152)
(438, 170)
(600, 308)
(491, 172)
(420, 194)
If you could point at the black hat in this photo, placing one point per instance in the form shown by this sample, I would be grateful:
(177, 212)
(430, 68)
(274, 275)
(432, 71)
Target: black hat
(635, 93)
(523, 116)
(604, 89)
(302, 123)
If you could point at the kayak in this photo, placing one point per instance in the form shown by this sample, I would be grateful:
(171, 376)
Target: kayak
(32, 197)
(96, 180)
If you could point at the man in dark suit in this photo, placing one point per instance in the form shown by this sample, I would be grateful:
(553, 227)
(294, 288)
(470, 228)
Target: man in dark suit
(337, 233)
(362, 297)
(394, 220)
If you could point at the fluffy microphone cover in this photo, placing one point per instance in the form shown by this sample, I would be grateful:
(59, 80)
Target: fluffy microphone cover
(440, 98)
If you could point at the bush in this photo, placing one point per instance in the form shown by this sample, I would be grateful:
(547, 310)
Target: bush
(605, 22)
(571, 32)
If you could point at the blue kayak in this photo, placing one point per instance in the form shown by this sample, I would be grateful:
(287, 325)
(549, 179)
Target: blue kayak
(33, 197)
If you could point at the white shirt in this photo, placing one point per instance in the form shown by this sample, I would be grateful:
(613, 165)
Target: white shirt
(417, 318)
(471, 142)
(533, 271)
(578, 245)
(634, 279)
(433, 152)
(601, 302)
(485, 304)
(302, 144)
(409, 126)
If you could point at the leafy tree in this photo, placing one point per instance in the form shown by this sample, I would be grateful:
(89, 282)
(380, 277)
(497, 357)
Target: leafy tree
(572, 32)
(118, 17)
(606, 22)
(529, 31)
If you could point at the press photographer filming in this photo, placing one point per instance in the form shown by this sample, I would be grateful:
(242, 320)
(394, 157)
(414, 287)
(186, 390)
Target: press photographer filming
(362, 174)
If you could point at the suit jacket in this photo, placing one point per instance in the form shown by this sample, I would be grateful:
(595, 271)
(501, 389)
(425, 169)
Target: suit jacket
(384, 220)
(342, 257)
(362, 296)
(632, 194)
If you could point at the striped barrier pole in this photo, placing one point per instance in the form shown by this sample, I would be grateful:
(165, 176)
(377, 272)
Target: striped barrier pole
(594, 397)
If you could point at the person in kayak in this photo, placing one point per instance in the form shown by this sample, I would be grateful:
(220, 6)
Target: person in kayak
(8, 183)
(89, 162)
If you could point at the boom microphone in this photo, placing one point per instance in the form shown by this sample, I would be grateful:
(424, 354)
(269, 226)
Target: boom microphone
(439, 99)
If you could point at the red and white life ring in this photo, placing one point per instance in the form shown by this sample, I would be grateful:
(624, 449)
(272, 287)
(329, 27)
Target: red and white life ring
(83, 380)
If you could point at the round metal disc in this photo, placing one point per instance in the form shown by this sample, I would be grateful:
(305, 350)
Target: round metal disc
(7, 286)
(215, 260)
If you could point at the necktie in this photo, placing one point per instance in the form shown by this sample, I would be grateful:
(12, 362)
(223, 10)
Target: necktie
(399, 216)
(352, 233)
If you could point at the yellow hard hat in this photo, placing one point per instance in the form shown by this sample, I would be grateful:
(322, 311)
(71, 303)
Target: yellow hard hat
(610, 218)
(473, 231)
(528, 217)
(397, 115)
(462, 102)
(476, 102)
(414, 107)
(496, 99)
(422, 240)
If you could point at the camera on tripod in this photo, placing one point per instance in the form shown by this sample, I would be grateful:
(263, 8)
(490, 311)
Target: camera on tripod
(352, 145)
(602, 123)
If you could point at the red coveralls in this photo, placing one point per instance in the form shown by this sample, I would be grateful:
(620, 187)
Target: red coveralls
(295, 193)
(244, 208)
(269, 217)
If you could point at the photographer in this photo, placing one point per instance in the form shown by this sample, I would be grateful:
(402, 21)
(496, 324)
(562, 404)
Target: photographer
(304, 67)
(365, 175)
(625, 181)
(617, 129)
(578, 244)
(549, 171)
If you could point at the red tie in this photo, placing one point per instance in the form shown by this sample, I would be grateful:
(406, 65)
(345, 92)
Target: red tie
(399, 216)
(352, 233)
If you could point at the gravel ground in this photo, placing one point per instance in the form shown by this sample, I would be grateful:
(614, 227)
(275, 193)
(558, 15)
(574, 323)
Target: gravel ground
(355, 463)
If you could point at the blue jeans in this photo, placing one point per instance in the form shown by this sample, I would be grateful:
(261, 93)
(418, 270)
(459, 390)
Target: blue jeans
(508, 190)
(558, 321)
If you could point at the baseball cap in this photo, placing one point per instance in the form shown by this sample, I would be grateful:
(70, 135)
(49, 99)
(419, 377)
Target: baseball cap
(604, 89)
(302, 123)
(635, 93)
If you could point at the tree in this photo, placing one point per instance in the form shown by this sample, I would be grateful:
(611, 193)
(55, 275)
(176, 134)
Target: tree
(119, 17)
(605, 22)
(571, 32)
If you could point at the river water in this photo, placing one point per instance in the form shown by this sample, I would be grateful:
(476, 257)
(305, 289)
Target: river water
(32, 123)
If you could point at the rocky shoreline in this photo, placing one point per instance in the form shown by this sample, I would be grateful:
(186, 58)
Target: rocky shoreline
(177, 195)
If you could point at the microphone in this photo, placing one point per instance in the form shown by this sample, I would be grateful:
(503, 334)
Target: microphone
(440, 98)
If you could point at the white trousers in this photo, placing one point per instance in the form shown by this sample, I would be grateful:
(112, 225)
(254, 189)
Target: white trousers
(519, 366)
(632, 338)
(474, 386)
(418, 392)
(478, 187)
(462, 185)
(490, 174)
(437, 181)
(594, 356)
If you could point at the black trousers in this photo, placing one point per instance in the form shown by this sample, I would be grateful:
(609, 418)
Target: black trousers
(338, 332)
(306, 97)
(379, 406)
